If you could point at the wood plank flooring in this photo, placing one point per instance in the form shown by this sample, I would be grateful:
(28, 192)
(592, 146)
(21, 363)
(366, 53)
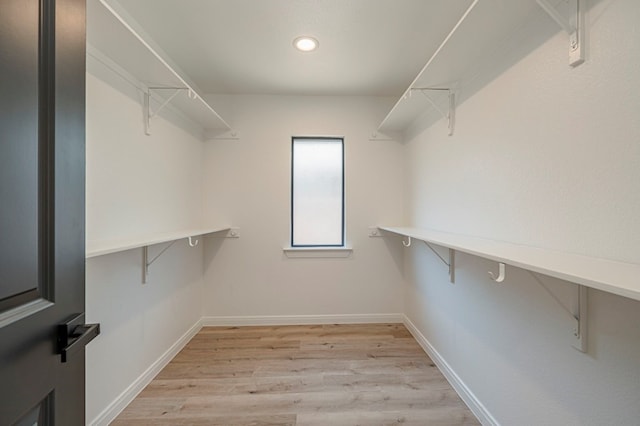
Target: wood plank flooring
(372, 374)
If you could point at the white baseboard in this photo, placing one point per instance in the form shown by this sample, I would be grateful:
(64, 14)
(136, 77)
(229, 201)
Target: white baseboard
(474, 404)
(302, 319)
(120, 403)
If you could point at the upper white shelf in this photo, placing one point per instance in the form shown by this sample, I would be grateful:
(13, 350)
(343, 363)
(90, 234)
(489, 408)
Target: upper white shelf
(100, 248)
(610, 276)
(479, 31)
(114, 38)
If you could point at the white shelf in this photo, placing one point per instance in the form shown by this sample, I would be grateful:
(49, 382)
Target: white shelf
(110, 34)
(610, 276)
(100, 248)
(486, 25)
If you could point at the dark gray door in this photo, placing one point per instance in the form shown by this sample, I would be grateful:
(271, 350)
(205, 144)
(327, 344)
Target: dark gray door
(42, 157)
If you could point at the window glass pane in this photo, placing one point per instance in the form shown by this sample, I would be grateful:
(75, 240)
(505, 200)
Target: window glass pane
(317, 192)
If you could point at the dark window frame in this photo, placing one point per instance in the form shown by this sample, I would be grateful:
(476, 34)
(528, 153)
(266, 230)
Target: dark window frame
(342, 187)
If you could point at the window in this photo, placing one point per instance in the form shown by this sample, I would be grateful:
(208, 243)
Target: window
(317, 192)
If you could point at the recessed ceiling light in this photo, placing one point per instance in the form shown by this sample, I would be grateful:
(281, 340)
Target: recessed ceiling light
(305, 43)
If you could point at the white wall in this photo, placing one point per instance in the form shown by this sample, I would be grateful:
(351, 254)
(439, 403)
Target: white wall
(136, 185)
(542, 155)
(546, 156)
(247, 184)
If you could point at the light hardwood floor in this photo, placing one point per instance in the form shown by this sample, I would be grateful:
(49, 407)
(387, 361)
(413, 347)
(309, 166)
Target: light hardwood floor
(372, 374)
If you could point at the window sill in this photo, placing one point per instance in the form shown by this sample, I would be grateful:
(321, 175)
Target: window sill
(317, 252)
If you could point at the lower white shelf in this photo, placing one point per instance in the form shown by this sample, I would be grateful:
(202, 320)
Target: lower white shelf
(100, 248)
(610, 276)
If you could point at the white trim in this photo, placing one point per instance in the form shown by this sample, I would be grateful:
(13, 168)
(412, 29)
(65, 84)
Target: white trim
(323, 252)
(301, 319)
(128, 395)
(474, 404)
(23, 311)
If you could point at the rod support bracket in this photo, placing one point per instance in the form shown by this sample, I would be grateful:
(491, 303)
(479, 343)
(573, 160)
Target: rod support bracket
(501, 273)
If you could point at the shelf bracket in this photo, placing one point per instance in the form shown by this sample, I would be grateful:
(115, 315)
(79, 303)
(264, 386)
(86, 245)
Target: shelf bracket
(449, 115)
(146, 262)
(573, 25)
(145, 256)
(451, 263)
(149, 114)
(577, 315)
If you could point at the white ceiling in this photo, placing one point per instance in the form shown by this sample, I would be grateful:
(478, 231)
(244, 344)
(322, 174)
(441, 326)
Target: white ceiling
(367, 47)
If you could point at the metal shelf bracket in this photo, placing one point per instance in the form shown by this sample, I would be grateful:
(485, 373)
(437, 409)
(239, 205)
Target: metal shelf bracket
(573, 25)
(149, 114)
(145, 256)
(374, 231)
(451, 263)
(451, 113)
(146, 262)
(578, 315)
